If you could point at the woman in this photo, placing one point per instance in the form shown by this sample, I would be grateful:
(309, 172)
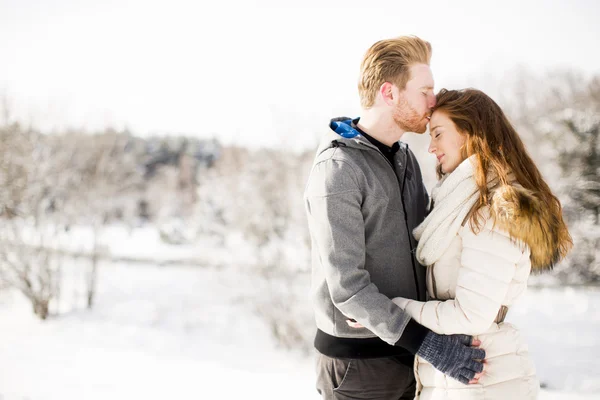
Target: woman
(493, 220)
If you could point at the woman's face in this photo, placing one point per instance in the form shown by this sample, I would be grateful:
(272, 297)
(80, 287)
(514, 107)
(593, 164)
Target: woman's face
(446, 142)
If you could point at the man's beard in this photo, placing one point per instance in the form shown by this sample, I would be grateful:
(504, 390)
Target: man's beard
(408, 119)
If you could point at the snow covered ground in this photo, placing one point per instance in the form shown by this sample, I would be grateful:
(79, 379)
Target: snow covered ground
(194, 332)
(562, 327)
(156, 332)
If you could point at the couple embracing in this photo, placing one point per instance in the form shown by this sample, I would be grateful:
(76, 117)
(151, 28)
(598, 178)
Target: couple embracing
(410, 291)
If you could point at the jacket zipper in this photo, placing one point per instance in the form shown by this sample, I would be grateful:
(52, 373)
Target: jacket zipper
(412, 258)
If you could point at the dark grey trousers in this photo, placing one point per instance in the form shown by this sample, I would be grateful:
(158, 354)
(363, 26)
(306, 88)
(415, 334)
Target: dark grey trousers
(372, 379)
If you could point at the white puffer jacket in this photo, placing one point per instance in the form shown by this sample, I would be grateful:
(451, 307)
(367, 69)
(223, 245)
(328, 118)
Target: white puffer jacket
(477, 275)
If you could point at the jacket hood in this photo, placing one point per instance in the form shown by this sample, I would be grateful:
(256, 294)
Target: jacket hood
(527, 218)
(341, 132)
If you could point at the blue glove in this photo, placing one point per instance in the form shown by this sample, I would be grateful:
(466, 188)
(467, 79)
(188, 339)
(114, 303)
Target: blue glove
(452, 355)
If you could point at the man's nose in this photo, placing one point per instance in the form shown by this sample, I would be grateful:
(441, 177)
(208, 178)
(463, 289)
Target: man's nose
(432, 102)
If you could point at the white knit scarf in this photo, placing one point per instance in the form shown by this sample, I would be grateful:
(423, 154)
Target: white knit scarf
(453, 197)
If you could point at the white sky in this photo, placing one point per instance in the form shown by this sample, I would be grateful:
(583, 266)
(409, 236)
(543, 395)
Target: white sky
(257, 72)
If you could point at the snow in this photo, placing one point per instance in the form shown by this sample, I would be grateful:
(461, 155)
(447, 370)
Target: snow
(179, 331)
(182, 331)
(562, 328)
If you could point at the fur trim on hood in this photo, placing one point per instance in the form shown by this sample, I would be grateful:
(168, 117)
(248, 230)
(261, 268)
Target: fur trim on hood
(528, 219)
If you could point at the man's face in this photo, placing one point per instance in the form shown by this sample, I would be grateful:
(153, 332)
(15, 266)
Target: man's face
(412, 110)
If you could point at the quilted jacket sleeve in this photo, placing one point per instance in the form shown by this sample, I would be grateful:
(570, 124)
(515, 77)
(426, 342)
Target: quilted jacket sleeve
(489, 262)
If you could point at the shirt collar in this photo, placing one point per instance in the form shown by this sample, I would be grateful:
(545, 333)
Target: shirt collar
(385, 149)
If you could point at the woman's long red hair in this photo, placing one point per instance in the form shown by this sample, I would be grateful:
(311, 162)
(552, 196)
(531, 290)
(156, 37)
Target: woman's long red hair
(499, 152)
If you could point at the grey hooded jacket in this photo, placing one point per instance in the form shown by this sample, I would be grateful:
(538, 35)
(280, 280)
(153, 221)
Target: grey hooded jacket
(360, 217)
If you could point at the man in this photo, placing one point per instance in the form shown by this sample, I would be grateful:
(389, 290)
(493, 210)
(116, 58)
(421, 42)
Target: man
(364, 196)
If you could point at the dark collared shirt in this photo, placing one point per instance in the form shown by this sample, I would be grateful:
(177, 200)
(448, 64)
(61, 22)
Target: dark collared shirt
(386, 150)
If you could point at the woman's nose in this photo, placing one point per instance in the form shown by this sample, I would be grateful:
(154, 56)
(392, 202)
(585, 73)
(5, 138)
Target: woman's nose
(431, 148)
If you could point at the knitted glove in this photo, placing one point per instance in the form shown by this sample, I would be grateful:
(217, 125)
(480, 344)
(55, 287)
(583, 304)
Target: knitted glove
(452, 355)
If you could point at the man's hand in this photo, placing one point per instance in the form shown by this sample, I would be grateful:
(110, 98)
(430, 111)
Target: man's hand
(454, 356)
(353, 324)
(466, 370)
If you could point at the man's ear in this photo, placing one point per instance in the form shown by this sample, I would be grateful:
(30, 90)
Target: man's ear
(387, 91)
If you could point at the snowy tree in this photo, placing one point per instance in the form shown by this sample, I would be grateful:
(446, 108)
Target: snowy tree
(559, 116)
(51, 183)
(258, 194)
(29, 257)
(576, 136)
(105, 186)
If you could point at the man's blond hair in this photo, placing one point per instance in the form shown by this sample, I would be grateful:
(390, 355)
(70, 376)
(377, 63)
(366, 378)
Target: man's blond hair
(389, 60)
